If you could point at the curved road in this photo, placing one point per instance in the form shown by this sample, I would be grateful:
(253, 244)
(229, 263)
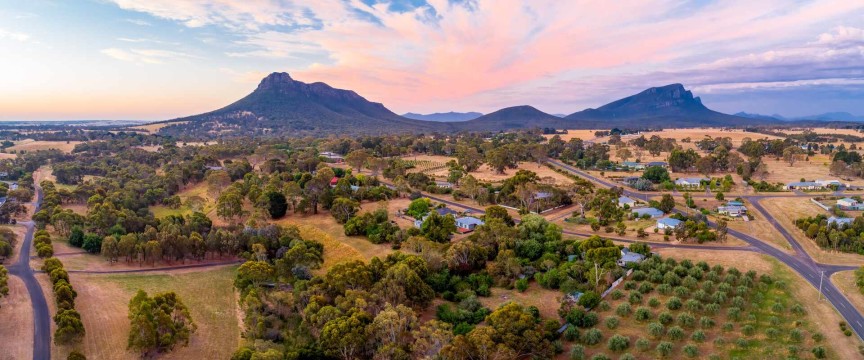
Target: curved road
(801, 262)
(41, 314)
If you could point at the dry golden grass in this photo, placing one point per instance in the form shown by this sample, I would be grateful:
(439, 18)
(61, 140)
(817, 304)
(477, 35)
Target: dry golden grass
(16, 331)
(35, 145)
(787, 210)
(575, 134)
(209, 295)
(5, 155)
(44, 173)
(814, 169)
(80, 209)
(155, 127)
(546, 300)
(762, 230)
(845, 282)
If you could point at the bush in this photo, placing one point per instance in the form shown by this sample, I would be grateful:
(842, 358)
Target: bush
(604, 306)
(623, 310)
(642, 344)
(796, 336)
(600, 356)
(819, 352)
(665, 318)
(592, 337)
(589, 299)
(674, 303)
(706, 322)
(748, 330)
(691, 350)
(522, 285)
(655, 329)
(618, 343)
(616, 294)
(571, 334)
(577, 352)
(675, 333)
(643, 314)
(698, 336)
(728, 326)
(664, 349)
(612, 322)
(635, 298)
(627, 356)
(653, 302)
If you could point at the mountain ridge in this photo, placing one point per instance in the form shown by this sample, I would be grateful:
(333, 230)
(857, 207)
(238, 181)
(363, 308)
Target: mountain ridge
(450, 116)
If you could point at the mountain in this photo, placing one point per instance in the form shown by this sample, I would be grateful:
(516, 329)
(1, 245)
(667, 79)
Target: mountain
(665, 106)
(516, 117)
(282, 105)
(444, 117)
(829, 116)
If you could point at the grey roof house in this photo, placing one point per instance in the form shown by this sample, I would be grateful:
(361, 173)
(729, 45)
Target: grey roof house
(652, 212)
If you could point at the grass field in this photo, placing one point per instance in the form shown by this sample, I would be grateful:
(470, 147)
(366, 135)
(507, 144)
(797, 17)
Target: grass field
(575, 134)
(196, 190)
(845, 281)
(546, 300)
(152, 128)
(17, 323)
(35, 145)
(209, 295)
(787, 210)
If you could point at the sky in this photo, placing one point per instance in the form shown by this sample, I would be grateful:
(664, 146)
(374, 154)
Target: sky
(163, 59)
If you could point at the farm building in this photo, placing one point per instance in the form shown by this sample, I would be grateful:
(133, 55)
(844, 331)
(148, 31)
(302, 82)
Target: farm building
(652, 212)
(657, 163)
(849, 204)
(840, 221)
(444, 184)
(668, 223)
(633, 165)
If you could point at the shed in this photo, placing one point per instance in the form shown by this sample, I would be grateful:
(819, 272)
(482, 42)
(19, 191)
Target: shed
(652, 212)
(668, 223)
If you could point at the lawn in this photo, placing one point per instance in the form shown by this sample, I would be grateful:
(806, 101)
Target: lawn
(750, 326)
(209, 295)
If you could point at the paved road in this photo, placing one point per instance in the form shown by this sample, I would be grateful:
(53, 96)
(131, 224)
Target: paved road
(41, 314)
(801, 262)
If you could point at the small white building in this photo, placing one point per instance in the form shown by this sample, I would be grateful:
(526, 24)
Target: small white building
(690, 182)
(668, 223)
(628, 257)
(626, 201)
(848, 204)
(444, 184)
(840, 221)
(732, 210)
(468, 223)
(332, 157)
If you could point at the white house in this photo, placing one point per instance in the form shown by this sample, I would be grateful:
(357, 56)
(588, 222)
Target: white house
(626, 201)
(628, 257)
(668, 223)
(652, 212)
(690, 182)
(332, 157)
(732, 210)
(840, 221)
(803, 185)
(633, 165)
(444, 184)
(827, 183)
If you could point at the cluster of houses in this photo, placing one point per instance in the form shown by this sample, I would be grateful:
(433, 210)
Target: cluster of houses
(464, 224)
(813, 185)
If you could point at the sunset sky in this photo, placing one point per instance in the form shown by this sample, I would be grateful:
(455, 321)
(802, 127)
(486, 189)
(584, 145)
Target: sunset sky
(161, 59)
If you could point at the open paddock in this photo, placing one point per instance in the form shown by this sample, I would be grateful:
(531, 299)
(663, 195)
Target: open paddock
(36, 145)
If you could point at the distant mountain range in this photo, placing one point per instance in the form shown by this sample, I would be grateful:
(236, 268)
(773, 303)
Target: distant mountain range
(831, 116)
(281, 105)
(444, 117)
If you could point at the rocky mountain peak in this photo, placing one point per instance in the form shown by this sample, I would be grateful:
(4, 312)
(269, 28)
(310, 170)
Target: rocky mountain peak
(276, 80)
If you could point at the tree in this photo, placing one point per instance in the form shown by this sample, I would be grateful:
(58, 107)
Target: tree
(318, 186)
(230, 204)
(159, 323)
(419, 207)
(667, 203)
(681, 160)
(4, 282)
(70, 329)
(498, 212)
(438, 228)
(722, 230)
(216, 181)
(624, 153)
(254, 273)
(761, 171)
(343, 209)
(356, 159)
(345, 336)
(277, 204)
(791, 154)
(469, 158)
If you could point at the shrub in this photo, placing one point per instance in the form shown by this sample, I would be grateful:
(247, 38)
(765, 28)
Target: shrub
(600, 356)
(643, 314)
(642, 344)
(592, 337)
(665, 318)
(693, 304)
(818, 337)
(733, 313)
(664, 349)
(577, 352)
(698, 336)
(772, 333)
(675, 333)
(674, 303)
(635, 298)
(706, 322)
(712, 309)
(604, 306)
(664, 289)
(796, 336)
(655, 329)
(618, 343)
(571, 334)
(686, 320)
(627, 356)
(616, 294)
(653, 302)
(741, 343)
(777, 308)
(691, 350)
(797, 309)
(623, 310)
(645, 288)
(522, 285)
(819, 352)
(612, 322)
(728, 326)
(748, 330)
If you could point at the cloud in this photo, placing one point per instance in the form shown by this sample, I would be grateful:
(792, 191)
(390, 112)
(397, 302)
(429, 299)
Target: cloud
(496, 52)
(146, 56)
(11, 35)
(138, 22)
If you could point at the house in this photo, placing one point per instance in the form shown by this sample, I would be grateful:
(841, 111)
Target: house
(622, 201)
(334, 181)
(633, 165)
(840, 221)
(668, 223)
(690, 182)
(213, 168)
(444, 184)
(628, 257)
(732, 210)
(735, 203)
(468, 223)
(652, 212)
(849, 204)
(332, 157)
(657, 163)
(419, 222)
(540, 195)
(803, 185)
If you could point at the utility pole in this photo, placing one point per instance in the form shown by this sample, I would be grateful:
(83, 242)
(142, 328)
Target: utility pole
(821, 275)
